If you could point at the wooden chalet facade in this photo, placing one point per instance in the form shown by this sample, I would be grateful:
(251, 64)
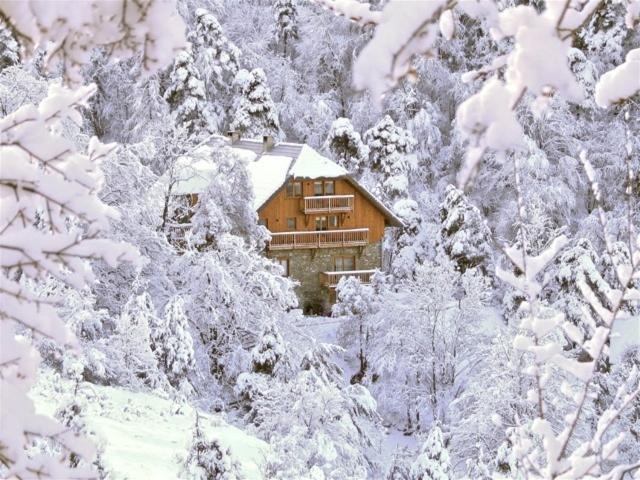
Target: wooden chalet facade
(323, 224)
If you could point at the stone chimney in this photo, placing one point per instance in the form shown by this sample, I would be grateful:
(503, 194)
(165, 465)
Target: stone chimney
(233, 136)
(267, 143)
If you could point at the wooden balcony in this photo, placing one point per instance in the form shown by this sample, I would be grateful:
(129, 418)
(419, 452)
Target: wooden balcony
(325, 239)
(331, 279)
(327, 204)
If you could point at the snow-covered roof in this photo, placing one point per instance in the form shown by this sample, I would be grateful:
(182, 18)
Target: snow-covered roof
(269, 170)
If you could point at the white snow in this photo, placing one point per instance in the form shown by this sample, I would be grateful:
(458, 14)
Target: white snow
(310, 164)
(621, 82)
(625, 333)
(145, 436)
(267, 174)
(447, 25)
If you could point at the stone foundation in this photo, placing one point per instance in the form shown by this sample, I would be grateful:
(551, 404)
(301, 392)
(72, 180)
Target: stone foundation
(305, 267)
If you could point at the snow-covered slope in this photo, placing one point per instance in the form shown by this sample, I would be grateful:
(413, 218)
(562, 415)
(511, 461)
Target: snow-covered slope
(145, 436)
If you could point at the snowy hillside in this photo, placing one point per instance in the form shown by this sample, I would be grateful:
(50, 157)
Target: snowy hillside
(143, 435)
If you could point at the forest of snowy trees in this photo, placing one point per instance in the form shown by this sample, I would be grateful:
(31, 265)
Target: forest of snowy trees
(502, 337)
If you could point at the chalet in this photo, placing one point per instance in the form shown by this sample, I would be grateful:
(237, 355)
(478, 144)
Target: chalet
(324, 225)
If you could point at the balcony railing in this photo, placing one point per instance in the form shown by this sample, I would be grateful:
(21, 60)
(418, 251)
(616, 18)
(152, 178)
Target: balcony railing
(324, 239)
(328, 204)
(331, 279)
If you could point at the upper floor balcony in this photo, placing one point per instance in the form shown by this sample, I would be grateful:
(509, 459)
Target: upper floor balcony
(331, 279)
(356, 237)
(327, 204)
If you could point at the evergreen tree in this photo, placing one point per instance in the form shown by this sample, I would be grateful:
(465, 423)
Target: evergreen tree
(217, 59)
(578, 276)
(389, 160)
(187, 99)
(464, 235)
(172, 342)
(433, 462)
(208, 459)
(130, 352)
(345, 146)
(286, 29)
(269, 351)
(255, 113)
(9, 48)
(388, 144)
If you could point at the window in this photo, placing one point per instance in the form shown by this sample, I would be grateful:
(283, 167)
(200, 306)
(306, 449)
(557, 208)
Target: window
(329, 187)
(344, 264)
(321, 223)
(294, 189)
(334, 222)
(291, 223)
(284, 263)
(323, 188)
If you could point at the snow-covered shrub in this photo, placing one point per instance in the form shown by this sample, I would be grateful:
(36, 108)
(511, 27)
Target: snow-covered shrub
(269, 351)
(207, 459)
(433, 463)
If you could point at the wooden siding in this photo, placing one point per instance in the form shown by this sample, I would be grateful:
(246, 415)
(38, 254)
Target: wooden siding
(364, 215)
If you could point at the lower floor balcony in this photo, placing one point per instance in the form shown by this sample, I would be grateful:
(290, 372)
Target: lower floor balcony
(357, 237)
(331, 279)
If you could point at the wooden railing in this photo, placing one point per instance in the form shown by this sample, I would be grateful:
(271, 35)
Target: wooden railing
(324, 239)
(331, 279)
(327, 204)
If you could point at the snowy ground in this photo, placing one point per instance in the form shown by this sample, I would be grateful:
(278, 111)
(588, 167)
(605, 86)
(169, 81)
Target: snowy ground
(143, 435)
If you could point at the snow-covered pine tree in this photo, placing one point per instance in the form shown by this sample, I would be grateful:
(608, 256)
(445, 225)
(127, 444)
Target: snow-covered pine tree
(217, 59)
(130, 349)
(187, 99)
(286, 28)
(255, 113)
(464, 235)
(345, 146)
(269, 351)
(578, 265)
(172, 343)
(409, 245)
(389, 161)
(9, 48)
(433, 463)
(207, 459)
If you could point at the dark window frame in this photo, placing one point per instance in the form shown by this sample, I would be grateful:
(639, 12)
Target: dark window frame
(341, 258)
(292, 191)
